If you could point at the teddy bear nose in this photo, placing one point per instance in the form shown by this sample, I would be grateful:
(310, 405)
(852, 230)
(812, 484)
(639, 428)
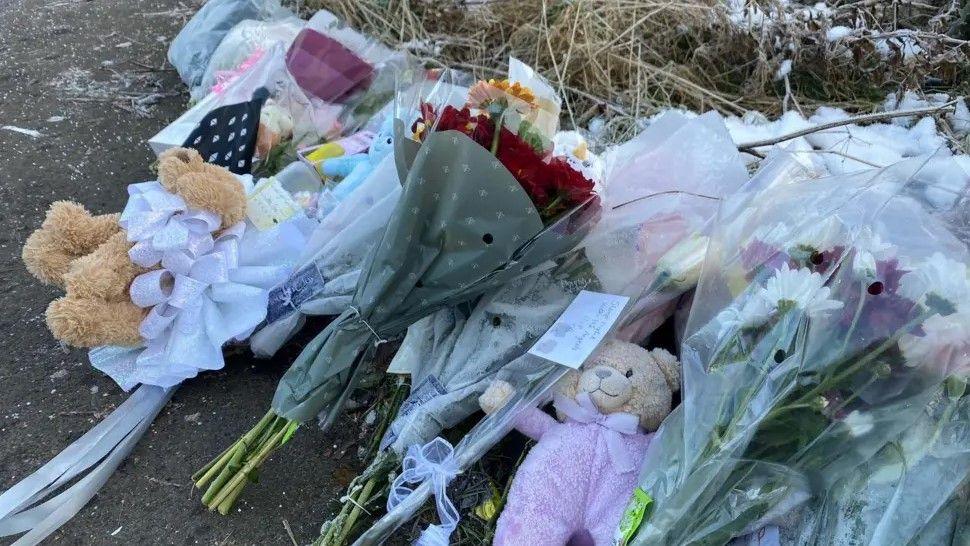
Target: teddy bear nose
(602, 374)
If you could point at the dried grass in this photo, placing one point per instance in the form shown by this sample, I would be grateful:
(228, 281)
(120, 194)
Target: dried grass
(629, 58)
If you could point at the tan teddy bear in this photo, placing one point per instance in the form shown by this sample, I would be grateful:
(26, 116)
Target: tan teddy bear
(88, 255)
(576, 481)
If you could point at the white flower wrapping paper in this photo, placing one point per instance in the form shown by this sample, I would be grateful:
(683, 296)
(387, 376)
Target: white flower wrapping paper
(210, 285)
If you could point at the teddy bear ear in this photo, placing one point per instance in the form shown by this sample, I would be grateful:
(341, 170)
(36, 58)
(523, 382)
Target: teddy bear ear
(669, 365)
(174, 162)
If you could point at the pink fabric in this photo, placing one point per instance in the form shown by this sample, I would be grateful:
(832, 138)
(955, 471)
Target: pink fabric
(225, 77)
(567, 487)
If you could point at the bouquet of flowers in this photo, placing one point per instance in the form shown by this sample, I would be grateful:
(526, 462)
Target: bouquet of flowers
(648, 247)
(328, 269)
(830, 320)
(483, 202)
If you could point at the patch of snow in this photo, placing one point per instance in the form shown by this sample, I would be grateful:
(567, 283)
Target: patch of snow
(960, 118)
(846, 148)
(835, 34)
(909, 101)
(784, 70)
(891, 46)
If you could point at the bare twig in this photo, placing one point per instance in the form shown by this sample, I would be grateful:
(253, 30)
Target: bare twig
(289, 532)
(865, 118)
(163, 482)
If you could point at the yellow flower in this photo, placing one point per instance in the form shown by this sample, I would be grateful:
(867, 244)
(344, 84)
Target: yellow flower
(491, 507)
(516, 89)
(419, 131)
(483, 93)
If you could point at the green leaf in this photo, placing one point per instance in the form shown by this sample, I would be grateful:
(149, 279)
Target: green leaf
(531, 136)
(290, 431)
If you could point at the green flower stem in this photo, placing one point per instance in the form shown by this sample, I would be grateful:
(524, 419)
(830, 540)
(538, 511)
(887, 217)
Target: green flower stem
(227, 487)
(855, 318)
(719, 440)
(947, 414)
(400, 393)
(855, 394)
(498, 132)
(215, 466)
(335, 524)
(867, 359)
(226, 505)
(362, 499)
(235, 463)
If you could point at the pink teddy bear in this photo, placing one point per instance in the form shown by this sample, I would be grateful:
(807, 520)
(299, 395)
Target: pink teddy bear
(574, 485)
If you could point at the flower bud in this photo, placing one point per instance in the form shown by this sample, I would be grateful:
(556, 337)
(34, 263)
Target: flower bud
(681, 265)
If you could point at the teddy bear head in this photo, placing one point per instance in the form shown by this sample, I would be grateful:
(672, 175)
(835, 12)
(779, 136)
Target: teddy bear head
(383, 143)
(88, 256)
(202, 185)
(623, 377)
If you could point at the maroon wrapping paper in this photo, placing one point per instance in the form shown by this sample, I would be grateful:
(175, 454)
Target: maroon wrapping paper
(324, 68)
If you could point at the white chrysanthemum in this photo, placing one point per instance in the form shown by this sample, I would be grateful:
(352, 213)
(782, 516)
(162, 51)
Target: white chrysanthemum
(795, 288)
(754, 312)
(944, 345)
(941, 277)
(801, 289)
(858, 423)
(869, 248)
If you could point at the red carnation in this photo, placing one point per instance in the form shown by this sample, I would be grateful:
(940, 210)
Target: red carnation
(552, 184)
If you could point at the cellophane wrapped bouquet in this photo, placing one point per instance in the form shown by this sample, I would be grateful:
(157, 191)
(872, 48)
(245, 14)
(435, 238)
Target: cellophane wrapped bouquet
(483, 201)
(647, 249)
(329, 267)
(453, 355)
(825, 365)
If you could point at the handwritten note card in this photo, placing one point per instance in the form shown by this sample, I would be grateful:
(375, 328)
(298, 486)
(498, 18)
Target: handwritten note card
(270, 205)
(577, 332)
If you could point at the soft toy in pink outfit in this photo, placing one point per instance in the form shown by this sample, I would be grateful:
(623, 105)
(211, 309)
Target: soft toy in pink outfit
(574, 485)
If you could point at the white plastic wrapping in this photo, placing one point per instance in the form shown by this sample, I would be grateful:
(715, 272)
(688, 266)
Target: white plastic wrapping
(245, 43)
(194, 45)
(847, 400)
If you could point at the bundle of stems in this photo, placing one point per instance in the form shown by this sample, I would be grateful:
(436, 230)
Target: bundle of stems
(373, 482)
(226, 475)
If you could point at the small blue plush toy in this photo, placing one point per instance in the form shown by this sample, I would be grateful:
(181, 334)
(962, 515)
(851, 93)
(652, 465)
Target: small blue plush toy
(354, 169)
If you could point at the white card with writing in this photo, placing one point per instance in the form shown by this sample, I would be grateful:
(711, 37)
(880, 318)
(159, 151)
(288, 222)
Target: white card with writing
(580, 328)
(270, 205)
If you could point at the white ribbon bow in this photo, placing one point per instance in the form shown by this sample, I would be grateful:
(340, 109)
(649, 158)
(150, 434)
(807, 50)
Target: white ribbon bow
(583, 410)
(434, 461)
(159, 223)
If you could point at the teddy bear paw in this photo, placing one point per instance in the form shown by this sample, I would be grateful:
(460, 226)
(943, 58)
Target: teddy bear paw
(496, 396)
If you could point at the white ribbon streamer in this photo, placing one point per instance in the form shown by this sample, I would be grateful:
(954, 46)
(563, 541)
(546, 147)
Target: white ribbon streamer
(434, 462)
(94, 456)
(207, 291)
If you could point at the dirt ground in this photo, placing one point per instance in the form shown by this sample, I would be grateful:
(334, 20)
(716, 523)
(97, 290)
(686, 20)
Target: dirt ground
(90, 76)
